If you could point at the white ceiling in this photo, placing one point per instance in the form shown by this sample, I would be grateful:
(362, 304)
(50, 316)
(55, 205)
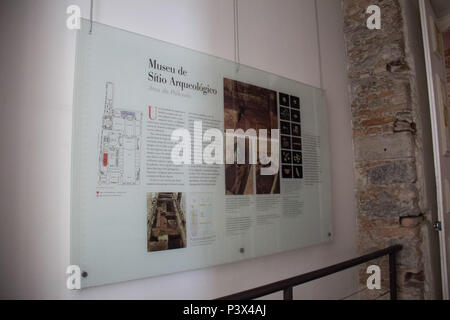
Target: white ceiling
(441, 7)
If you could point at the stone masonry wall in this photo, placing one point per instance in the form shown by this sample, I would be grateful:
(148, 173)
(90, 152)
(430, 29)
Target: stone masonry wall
(447, 66)
(385, 138)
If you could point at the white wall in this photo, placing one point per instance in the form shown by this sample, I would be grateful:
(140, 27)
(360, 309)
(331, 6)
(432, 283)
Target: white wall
(36, 81)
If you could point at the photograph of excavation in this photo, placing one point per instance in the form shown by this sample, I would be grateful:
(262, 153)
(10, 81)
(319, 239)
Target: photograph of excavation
(166, 222)
(249, 107)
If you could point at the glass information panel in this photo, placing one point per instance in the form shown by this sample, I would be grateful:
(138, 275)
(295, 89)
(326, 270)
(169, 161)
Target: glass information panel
(157, 185)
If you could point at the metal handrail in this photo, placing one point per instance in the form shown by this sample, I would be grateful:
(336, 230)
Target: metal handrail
(287, 285)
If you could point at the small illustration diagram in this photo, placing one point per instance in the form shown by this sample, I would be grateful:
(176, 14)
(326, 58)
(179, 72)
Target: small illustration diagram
(201, 215)
(291, 136)
(120, 144)
(166, 222)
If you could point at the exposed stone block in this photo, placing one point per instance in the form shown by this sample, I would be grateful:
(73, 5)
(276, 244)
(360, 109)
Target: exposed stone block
(399, 65)
(377, 121)
(411, 222)
(391, 146)
(393, 172)
(404, 126)
(389, 201)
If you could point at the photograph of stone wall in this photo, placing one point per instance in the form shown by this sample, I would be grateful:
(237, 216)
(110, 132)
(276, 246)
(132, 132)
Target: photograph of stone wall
(166, 222)
(249, 107)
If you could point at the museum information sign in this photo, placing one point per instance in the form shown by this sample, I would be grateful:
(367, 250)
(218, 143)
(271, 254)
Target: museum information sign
(182, 160)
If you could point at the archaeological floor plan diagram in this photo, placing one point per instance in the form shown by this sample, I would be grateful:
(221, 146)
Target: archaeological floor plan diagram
(120, 144)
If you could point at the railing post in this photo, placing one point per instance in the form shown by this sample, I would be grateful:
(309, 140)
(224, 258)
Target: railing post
(287, 293)
(393, 276)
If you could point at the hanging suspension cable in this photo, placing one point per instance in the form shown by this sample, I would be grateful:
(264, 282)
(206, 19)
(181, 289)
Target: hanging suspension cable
(90, 16)
(237, 59)
(318, 44)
